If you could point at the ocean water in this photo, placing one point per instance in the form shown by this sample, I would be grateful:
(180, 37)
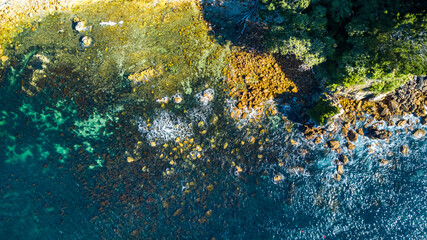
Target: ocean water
(89, 154)
(66, 176)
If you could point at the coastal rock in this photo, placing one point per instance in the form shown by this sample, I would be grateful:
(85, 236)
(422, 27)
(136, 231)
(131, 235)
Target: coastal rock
(340, 169)
(334, 144)
(86, 41)
(393, 105)
(360, 131)
(385, 112)
(374, 133)
(352, 135)
(419, 133)
(343, 158)
(404, 149)
(383, 162)
(310, 135)
(351, 146)
(344, 131)
(337, 177)
(317, 140)
(293, 142)
(401, 123)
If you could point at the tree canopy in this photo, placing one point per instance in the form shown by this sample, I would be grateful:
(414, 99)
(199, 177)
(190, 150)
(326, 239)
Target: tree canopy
(348, 41)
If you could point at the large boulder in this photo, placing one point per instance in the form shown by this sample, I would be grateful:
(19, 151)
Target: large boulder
(343, 158)
(401, 123)
(352, 135)
(374, 133)
(419, 133)
(334, 144)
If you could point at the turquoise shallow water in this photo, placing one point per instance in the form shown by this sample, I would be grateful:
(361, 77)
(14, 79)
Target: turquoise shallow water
(64, 175)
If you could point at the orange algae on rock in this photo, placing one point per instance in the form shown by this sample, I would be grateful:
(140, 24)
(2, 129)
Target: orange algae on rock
(255, 78)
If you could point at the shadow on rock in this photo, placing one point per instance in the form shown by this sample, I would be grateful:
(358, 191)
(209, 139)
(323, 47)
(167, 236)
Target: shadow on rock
(295, 105)
(235, 21)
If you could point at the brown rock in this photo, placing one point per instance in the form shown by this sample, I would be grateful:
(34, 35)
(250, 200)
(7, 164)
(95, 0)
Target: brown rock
(337, 177)
(383, 162)
(352, 135)
(130, 159)
(350, 146)
(374, 133)
(309, 135)
(404, 149)
(347, 125)
(317, 140)
(419, 133)
(385, 112)
(340, 169)
(393, 105)
(360, 131)
(424, 120)
(343, 158)
(401, 123)
(344, 131)
(334, 144)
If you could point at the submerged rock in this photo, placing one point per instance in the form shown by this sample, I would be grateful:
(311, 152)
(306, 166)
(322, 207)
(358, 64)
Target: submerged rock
(340, 169)
(404, 149)
(177, 98)
(86, 42)
(383, 162)
(419, 133)
(278, 178)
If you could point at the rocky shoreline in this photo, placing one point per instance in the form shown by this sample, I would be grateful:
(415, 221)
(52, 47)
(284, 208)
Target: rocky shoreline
(283, 80)
(409, 99)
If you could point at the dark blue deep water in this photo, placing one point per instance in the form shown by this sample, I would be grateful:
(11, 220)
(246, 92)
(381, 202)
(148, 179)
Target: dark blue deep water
(64, 175)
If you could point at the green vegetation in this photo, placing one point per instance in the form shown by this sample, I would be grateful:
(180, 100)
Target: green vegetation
(161, 45)
(322, 111)
(387, 85)
(348, 41)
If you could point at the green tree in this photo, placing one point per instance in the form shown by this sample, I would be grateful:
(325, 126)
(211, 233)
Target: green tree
(350, 40)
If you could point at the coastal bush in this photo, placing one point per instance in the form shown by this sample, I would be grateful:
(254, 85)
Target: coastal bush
(322, 111)
(387, 85)
(348, 41)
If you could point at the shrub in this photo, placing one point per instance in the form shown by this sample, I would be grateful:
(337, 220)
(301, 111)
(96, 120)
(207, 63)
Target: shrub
(322, 111)
(348, 41)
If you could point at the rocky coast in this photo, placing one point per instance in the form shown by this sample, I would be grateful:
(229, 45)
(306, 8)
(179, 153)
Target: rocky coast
(175, 121)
